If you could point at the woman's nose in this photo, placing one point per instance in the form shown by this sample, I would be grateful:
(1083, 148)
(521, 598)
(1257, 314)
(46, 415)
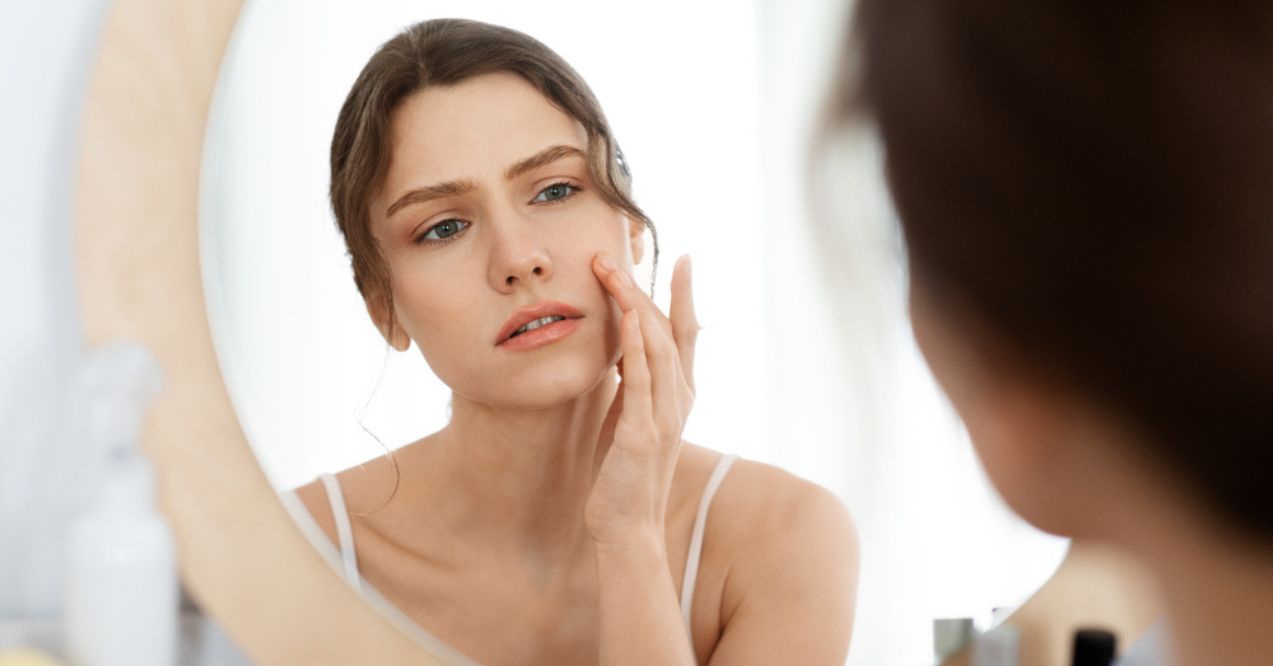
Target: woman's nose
(518, 257)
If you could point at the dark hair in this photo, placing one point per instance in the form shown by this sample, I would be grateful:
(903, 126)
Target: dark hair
(1095, 181)
(445, 52)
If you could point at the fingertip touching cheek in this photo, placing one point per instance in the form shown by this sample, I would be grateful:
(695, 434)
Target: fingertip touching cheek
(489, 220)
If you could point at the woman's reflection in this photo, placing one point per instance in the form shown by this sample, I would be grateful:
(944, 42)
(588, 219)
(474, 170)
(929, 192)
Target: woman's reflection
(558, 517)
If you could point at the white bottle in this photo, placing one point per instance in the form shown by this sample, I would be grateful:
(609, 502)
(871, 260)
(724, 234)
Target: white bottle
(950, 635)
(997, 647)
(122, 597)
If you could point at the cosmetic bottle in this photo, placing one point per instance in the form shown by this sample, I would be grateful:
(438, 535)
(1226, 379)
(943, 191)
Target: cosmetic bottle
(1094, 647)
(950, 635)
(122, 599)
(997, 647)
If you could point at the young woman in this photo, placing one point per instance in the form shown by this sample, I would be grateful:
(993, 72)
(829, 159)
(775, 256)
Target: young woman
(1086, 192)
(558, 518)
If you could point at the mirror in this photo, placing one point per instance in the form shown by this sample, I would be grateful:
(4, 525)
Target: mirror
(804, 364)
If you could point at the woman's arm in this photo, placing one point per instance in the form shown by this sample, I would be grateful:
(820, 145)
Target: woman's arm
(627, 508)
(640, 618)
(789, 597)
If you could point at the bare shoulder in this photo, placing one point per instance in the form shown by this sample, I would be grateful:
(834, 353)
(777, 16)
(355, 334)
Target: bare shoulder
(758, 501)
(763, 510)
(792, 551)
(314, 497)
(363, 487)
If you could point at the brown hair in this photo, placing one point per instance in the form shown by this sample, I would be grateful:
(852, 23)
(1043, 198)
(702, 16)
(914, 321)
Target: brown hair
(1096, 181)
(444, 52)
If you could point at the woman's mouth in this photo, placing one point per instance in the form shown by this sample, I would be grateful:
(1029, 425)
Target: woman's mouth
(540, 332)
(538, 325)
(532, 325)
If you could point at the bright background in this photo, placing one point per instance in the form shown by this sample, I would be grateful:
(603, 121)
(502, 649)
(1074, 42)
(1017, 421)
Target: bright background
(809, 369)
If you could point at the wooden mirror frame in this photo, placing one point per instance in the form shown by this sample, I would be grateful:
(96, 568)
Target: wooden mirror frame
(241, 555)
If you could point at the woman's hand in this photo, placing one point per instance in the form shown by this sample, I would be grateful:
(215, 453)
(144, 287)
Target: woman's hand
(629, 496)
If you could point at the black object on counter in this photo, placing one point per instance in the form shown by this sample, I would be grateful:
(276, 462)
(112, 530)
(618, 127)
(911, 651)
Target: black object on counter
(1094, 647)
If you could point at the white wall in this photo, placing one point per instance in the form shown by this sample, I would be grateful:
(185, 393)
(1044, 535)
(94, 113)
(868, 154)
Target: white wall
(45, 51)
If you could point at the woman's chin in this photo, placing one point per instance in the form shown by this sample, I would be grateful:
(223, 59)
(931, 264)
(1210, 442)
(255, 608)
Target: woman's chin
(547, 388)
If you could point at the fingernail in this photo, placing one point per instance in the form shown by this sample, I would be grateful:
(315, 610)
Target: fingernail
(623, 277)
(606, 264)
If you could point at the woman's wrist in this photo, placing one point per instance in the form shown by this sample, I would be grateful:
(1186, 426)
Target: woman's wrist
(640, 617)
(639, 544)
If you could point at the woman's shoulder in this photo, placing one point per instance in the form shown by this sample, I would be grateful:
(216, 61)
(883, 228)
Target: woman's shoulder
(783, 540)
(757, 499)
(313, 496)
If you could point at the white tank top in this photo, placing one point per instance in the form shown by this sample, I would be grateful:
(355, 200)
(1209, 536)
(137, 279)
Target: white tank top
(349, 559)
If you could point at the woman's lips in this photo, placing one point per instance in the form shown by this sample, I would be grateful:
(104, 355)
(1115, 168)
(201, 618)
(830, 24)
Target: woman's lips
(544, 335)
(531, 313)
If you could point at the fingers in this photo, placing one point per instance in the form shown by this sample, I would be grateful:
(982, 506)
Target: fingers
(636, 372)
(660, 351)
(630, 298)
(619, 284)
(684, 319)
(659, 341)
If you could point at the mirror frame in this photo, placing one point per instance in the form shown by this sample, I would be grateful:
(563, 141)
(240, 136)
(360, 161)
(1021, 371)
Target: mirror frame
(139, 278)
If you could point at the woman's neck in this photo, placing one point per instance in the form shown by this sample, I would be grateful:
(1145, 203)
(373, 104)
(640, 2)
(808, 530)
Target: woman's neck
(1219, 596)
(518, 479)
(1216, 581)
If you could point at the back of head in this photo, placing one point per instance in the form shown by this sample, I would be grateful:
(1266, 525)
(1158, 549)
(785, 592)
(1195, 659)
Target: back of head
(1095, 181)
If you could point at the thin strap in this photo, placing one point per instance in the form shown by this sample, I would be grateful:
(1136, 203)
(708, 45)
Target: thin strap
(343, 530)
(696, 541)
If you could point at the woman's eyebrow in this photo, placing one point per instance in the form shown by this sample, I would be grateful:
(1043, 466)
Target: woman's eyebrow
(451, 188)
(546, 156)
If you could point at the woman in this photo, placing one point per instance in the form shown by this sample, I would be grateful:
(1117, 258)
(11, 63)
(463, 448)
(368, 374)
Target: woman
(558, 518)
(1085, 194)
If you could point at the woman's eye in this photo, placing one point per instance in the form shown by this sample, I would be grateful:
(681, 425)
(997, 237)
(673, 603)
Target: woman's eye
(555, 192)
(444, 229)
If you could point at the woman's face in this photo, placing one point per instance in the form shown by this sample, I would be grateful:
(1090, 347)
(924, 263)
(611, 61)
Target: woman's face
(487, 209)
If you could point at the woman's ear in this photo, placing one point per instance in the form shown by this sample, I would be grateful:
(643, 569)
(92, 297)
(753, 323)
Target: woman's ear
(392, 333)
(636, 239)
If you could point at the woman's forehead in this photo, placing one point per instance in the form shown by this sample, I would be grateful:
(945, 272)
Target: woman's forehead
(474, 130)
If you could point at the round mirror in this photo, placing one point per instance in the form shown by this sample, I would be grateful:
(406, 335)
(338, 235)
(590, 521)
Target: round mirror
(804, 363)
